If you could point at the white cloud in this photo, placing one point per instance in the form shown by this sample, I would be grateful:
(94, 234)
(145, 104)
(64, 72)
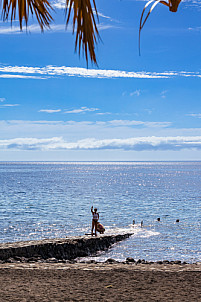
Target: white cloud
(198, 28)
(102, 26)
(74, 130)
(50, 110)
(19, 76)
(129, 123)
(59, 4)
(198, 115)
(163, 94)
(51, 71)
(192, 3)
(28, 143)
(103, 113)
(8, 105)
(4, 105)
(82, 110)
(108, 124)
(152, 143)
(80, 72)
(103, 16)
(34, 28)
(137, 92)
(4, 30)
(111, 135)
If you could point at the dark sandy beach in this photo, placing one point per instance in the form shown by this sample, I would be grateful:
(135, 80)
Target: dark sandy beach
(99, 282)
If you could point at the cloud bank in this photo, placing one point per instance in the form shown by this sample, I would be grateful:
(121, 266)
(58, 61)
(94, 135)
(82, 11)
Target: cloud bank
(64, 71)
(106, 124)
(79, 72)
(152, 143)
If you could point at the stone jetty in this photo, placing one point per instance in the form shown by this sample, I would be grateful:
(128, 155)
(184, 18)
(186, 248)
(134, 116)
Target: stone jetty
(59, 248)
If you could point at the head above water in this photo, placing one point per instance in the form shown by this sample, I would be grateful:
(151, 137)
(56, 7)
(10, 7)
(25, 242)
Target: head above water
(95, 209)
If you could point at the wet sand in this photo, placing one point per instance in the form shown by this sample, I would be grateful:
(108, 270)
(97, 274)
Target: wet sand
(99, 282)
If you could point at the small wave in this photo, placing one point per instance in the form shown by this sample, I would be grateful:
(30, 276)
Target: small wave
(136, 229)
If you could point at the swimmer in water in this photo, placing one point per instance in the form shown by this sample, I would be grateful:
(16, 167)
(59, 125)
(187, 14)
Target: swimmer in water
(94, 220)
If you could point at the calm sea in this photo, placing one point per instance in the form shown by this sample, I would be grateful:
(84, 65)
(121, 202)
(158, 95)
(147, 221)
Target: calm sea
(46, 200)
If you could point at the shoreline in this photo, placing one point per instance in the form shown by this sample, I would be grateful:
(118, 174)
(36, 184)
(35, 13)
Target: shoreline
(17, 260)
(103, 266)
(48, 270)
(72, 250)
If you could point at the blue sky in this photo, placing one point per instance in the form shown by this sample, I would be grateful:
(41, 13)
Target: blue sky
(130, 107)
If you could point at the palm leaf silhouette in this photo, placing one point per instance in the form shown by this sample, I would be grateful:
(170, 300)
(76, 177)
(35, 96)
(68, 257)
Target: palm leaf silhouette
(85, 24)
(83, 14)
(22, 8)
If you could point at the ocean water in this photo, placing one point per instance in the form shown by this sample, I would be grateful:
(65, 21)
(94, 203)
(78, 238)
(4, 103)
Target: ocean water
(46, 200)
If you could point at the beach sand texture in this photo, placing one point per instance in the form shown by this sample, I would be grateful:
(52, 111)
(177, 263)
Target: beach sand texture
(99, 282)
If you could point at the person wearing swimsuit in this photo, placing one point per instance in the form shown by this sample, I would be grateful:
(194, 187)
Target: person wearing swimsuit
(94, 220)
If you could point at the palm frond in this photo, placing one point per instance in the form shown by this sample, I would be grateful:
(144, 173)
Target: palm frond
(85, 25)
(174, 5)
(22, 8)
(143, 23)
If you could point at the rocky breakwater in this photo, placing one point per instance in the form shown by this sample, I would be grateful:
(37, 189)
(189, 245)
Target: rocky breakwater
(60, 249)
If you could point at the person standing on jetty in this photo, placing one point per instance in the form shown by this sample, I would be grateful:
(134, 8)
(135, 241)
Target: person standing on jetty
(94, 220)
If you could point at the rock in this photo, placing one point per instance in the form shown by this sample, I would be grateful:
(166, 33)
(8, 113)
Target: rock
(90, 261)
(130, 259)
(68, 261)
(19, 259)
(23, 259)
(166, 262)
(159, 262)
(10, 260)
(62, 261)
(110, 260)
(60, 249)
(52, 260)
(32, 259)
(177, 262)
